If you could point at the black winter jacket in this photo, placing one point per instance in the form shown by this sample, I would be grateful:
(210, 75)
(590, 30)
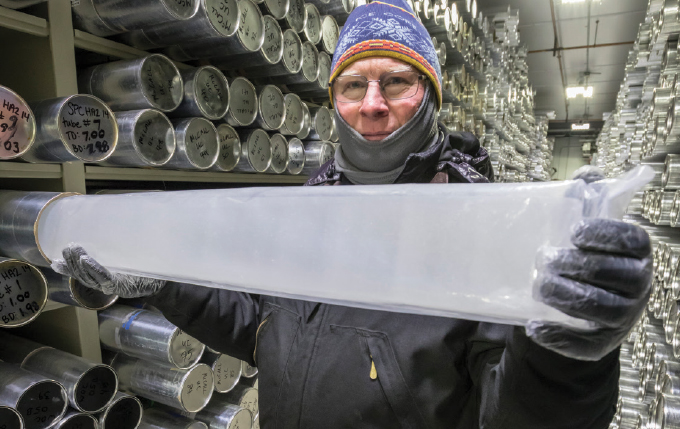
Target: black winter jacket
(328, 366)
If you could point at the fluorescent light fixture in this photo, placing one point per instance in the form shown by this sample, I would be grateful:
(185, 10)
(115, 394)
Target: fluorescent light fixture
(580, 127)
(574, 91)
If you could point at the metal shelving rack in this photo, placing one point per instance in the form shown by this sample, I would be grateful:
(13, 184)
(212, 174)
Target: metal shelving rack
(42, 44)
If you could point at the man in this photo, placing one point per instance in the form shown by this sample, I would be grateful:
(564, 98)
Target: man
(328, 366)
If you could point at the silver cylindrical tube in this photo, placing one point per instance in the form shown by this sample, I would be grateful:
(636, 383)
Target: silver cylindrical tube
(68, 290)
(214, 18)
(219, 415)
(157, 418)
(148, 82)
(276, 8)
(243, 103)
(339, 9)
(330, 34)
(229, 150)
(197, 147)
(147, 335)
(243, 396)
(40, 401)
(291, 61)
(310, 67)
(11, 418)
(312, 28)
(146, 138)
(256, 151)
(306, 123)
(667, 414)
(279, 154)
(322, 123)
(127, 15)
(186, 389)
(76, 420)
(296, 17)
(24, 293)
(19, 214)
(17, 131)
(335, 137)
(86, 18)
(296, 156)
(269, 54)
(294, 115)
(271, 109)
(248, 39)
(318, 88)
(248, 371)
(206, 93)
(124, 412)
(671, 174)
(226, 370)
(74, 128)
(317, 153)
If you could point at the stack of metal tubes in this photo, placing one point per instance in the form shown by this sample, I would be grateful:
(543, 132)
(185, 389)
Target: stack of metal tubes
(643, 130)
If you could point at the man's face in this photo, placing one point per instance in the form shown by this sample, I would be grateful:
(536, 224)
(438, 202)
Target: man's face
(376, 117)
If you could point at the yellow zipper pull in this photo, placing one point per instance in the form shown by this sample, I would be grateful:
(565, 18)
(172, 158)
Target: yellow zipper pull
(374, 372)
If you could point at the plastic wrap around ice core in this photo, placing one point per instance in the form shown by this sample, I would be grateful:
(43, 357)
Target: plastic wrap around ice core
(458, 250)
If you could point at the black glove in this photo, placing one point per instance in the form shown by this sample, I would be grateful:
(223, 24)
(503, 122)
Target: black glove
(606, 280)
(78, 264)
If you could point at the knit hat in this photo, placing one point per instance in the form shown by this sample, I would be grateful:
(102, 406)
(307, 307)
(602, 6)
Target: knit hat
(387, 28)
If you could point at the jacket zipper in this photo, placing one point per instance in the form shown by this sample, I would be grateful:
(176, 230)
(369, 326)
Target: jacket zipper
(374, 372)
(257, 337)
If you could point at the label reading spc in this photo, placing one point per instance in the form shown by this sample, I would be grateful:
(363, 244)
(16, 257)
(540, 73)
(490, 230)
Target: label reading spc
(22, 293)
(17, 125)
(223, 14)
(88, 127)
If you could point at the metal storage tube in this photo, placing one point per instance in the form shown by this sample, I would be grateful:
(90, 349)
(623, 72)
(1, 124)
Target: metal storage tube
(229, 150)
(276, 8)
(186, 389)
(269, 54)
(248, 371)
(17, 136)
(225, 416)
(291, 62)
(11, 418)
(339, 9)
(197, 146)
(248, 39)
(256, 151)
(310, 67)
(312, 28)
(318, 88)
(296, 18)
(19, 215)
(76, 420)
(226, 370)
(294, 115)
(317, 153)
(279, 145)
(41, 402)
(157, 418)
(147, 335)
(271, 109)
(214, 18)
(335, 137)
(296, 156)
(306, 123)
(206, 93)
(146, 138)
(90, 386)
(24, 294)
(322, 123)
(73, 128)
(330, 33)
(667, 414)
(148, 82)
(243, 396)
(124, 412)
(127, 15)
(68, 290)
(243, 103)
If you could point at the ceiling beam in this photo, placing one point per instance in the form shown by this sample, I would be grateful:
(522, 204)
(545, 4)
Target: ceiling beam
(571, 48)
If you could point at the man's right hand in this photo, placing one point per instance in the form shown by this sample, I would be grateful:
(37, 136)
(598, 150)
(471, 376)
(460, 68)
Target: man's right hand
(79, 265)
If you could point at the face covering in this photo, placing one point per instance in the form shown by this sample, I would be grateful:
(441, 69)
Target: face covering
(366, 162)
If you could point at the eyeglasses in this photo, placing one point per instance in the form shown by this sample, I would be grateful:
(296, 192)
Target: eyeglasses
(394, 85)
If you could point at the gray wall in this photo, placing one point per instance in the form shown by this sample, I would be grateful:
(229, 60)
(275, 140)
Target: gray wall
(567, 157)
